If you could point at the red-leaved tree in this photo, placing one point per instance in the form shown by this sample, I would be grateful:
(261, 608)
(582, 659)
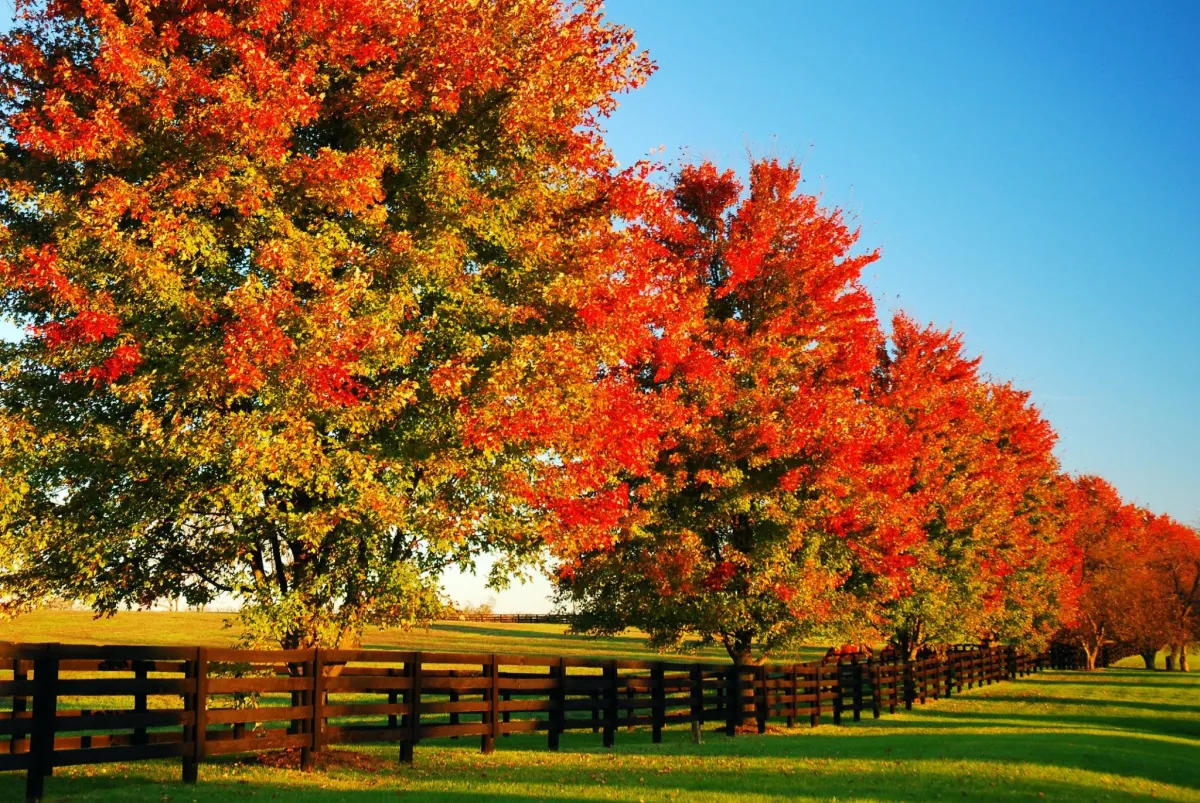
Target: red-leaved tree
(980, 481)
(763, 503)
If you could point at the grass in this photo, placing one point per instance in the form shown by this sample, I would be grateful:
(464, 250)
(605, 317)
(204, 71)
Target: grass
(1120, 734)
(161, 628)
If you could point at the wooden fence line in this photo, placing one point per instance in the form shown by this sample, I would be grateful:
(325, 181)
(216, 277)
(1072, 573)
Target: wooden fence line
(195, 703)
(512, 618)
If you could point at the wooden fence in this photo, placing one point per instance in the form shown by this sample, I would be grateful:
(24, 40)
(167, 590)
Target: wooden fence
(99, 704)
(513, 618)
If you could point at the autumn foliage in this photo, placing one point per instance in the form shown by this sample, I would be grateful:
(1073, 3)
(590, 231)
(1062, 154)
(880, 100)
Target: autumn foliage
(282, 266)
(320, 298)
(762, 500)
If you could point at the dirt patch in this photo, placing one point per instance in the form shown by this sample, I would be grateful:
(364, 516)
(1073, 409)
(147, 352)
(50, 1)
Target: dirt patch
(752, 729)
(325, 760)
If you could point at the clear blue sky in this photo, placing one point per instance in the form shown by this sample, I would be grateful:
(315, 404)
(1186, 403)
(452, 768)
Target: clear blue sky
(1030, 172)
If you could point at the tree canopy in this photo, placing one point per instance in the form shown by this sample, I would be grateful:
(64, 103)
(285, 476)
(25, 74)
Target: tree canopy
(275, 262)
(320, 298)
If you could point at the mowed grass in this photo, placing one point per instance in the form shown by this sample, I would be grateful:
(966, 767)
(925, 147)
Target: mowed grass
(1120, 734)
(190, 628)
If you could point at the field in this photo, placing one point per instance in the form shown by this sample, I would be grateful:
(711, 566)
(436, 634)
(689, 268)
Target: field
(1121, 734)
(208, 629)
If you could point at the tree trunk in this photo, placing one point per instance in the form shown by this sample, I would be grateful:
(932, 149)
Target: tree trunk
(908, 641)
(1092, 655)
(292, 640)
(1148, 656)
(739, 645)
(1171, 652)
(1183, 659)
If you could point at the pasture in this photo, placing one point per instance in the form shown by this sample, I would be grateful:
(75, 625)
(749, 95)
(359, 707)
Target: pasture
(1120, 734)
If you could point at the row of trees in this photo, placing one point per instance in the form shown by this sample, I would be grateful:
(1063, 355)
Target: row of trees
(1138, 575)
(829, 480)
(320, 298)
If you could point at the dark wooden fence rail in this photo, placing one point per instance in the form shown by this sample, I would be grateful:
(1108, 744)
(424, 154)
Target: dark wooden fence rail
(194, 703)
(514, 618)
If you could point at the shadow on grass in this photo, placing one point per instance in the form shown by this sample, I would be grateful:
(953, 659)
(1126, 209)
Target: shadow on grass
(1107, 702)
(1160, 681)
(919, 766)
(1145, 725)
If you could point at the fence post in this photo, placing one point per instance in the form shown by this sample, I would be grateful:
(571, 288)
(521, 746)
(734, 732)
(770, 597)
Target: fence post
(557, 704)
(393, 698)
(858, 688)
(413, 670)
(791, 715)
(139, 702)
(839, 697)
(189, 730)
(507, 715)
(45, 709)
(454, 698)
(629, 710)
(487, 742)
(733, 692)
(658, 696)
(595, 696)
(815, 716)
(873, 671)
(310, 725)
(762, 708)
(307, 697)
(950, 674)
(909, 688)
(201, 712)
(610, 703)
(19, 739)
(893, 678)
(319, 695)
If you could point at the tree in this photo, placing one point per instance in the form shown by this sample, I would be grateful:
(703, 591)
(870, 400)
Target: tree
(1109, 536)
(1174, 555)
(979, 480)
(279, 264)
(763, 500)
(1142, 620)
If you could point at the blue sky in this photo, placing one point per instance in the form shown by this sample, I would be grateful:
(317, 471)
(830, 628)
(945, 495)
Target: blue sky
(1030, 172)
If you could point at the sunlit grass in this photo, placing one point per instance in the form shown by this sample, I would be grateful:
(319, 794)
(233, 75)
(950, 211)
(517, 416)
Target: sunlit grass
(161, 628)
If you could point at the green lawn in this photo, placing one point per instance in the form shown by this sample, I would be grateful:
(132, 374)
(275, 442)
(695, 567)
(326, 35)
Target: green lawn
(1120, 734)
(208, 629)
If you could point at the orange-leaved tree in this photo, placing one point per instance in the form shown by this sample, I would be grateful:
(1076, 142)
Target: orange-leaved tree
(981, 483)
(764, 520)
(1109, 536)
(274, 261)
(1173, 556)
